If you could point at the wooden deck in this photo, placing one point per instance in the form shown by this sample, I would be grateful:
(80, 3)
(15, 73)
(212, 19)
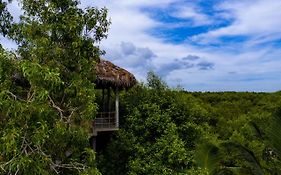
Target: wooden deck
(105, 121)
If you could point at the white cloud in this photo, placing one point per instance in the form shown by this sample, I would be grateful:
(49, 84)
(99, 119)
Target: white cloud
(258, 19)
(191, 12)
(130, 45)
(15, 10)
(129, 3)
(130, 24)
(8, 44)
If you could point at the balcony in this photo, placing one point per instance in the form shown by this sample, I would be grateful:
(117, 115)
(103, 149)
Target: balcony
(105, 120)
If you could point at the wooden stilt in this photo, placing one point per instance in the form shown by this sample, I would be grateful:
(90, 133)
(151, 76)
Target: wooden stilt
(108, 100)
(93, 142)
(103, 102)
(117, 108)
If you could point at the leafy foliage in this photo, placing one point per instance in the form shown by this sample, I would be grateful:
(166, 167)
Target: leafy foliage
(166, 131)
(47, 87)
(47, 99)
(208, 157)
(153, 138)
(274, 131)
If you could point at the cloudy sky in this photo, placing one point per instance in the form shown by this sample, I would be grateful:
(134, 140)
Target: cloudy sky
(201, 45)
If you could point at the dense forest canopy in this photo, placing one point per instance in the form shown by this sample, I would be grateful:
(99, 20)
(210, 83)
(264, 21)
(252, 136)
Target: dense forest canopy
(171, 131)
(48, 99)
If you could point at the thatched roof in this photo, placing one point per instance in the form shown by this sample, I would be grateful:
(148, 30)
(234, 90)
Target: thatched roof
(110, 75)
(107, 75)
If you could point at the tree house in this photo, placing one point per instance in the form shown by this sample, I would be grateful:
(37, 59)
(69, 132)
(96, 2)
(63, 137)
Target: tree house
(110, 78)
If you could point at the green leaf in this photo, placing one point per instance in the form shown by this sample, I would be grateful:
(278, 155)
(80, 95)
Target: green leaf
(208, 157)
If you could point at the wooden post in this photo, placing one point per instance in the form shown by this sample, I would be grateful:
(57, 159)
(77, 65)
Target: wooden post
(108, 100)
(95, 143)
(103, 101)
(117, 108)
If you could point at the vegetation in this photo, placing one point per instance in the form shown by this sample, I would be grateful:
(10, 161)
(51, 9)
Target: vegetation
(47, 97)
(170, 131)
(46, 87)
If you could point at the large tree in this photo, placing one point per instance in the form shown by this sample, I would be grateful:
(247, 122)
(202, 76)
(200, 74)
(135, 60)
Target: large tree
(46, 87)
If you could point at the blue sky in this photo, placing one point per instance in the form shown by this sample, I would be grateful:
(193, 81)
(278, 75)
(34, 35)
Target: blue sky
(201, 45)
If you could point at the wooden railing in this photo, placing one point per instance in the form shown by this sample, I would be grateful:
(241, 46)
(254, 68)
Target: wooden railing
(105, 120)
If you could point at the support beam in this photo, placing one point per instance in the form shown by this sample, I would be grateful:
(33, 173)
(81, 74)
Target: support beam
(93, 142)
(108, 100)
(103, 101)
(117, 108)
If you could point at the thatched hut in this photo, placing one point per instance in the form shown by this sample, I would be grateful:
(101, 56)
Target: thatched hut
(110, 77)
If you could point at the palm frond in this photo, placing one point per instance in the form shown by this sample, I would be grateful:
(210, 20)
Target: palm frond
(208, 157)
(274, 133)
(246, 156)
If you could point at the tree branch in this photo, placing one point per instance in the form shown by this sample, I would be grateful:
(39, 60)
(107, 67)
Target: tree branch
(56, 107)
